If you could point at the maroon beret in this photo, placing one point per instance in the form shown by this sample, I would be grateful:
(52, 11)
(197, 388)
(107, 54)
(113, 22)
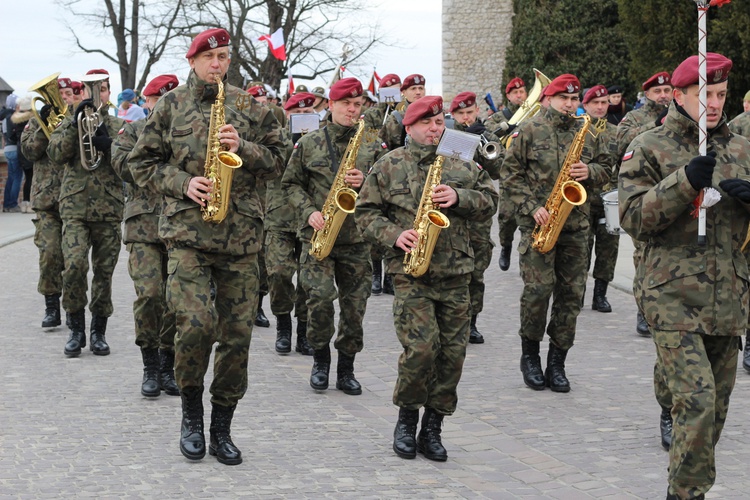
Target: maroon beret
(390, 80)
(257, 91)
(209, 39)
(300, 101)
(515, 83)
(411, 81)
(661, 78)
(161, 85)
(594, 92)
(64, 83)
(563, 84)
(97, 72)
(77, 87)
(426, 107)
(717, 70)
(346, 87)
(463, 100)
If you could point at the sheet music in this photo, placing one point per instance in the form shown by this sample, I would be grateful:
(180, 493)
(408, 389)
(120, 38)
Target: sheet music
(390, 95)
(302, 123)
(455, 144)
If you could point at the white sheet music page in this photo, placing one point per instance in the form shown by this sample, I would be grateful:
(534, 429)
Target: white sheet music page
(302, 123)
(455, 144)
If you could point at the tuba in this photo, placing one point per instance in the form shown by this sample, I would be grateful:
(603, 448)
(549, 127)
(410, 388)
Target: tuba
(90, 120)
(50, 93)
(566, 194)
(220, 163)
(530, 106)
(340, 201)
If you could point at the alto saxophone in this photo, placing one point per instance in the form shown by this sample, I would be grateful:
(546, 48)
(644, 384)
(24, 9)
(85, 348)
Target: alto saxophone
(566, 194)
(428, 223)
(220, 163)
(340, 201)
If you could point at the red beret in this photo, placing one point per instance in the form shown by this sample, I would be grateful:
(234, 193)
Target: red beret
(515, 83)
(426, 107)
(463, 100)
(411, 81)
(717, 70)
(300, 101)
(64, 83)
(209, 39)
(77, 87)
(257, 91)
(161, 85)
(594, 92)
(389, 80)
(97, 72)
(346, 87)
(661, 78)
(563, 84)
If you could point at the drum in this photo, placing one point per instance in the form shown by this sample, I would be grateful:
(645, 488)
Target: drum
(611, 212)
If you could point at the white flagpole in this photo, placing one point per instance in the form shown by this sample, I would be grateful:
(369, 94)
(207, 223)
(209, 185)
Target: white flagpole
(703, 135)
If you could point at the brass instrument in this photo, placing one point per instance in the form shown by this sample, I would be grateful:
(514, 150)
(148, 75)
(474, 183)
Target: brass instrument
(340, 201)
(90, 120)
(50, 93)
(490, 149)
(220, 163)
(428, 223)
(566, 194)
(530, 106)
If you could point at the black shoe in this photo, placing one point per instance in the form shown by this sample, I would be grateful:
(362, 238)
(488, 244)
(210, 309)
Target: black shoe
(600, 302)
(99, 344)
(404, 435)
(166, 373)
(554, 376)
(260, 316)
(320, 369)
(504, 260)
(192, 440)
(77, 339)
(642, 326)
(429, 442)
(150, 387)
(303, 346)
(474, 336)
(388, 284)
(531, 365)
(345, 380)
(283, 333)
(51, 311)
(665, 428)
(221, 445)
(377, 277)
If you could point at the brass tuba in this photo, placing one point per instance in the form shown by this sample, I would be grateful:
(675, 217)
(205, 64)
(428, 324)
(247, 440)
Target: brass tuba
(530, 106)
(90, 120)
(50, 93)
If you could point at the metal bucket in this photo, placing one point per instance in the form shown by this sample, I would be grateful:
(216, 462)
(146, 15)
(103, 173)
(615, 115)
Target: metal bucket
(611, 212)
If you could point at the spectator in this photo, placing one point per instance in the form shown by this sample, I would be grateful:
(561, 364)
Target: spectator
(129, 110)
(15, 172)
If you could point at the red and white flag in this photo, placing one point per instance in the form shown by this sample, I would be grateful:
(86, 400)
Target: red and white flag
(276, 44)
(373, 80)
(291, 82)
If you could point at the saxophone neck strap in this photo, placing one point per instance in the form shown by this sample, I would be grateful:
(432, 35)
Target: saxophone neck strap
(332, 152)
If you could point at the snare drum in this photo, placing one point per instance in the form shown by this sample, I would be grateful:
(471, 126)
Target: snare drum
(611, 212)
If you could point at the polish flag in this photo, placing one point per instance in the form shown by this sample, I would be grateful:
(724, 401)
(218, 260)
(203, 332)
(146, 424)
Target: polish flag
(276, 44)
(291, 82)
(373, 80)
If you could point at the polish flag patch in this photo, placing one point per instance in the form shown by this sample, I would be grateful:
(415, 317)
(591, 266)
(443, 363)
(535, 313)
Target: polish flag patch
(121, 131)
(627, 156)
(515, 134)
(296, 145)
(479, 166)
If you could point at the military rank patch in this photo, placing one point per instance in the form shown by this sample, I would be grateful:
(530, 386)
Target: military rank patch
(627, 156)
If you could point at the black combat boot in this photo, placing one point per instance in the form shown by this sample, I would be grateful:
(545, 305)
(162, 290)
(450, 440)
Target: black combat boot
(600, 302)
(504, 260)
(284, 333)
(260, 316)
(77, 323)
(404, 435)
(377, 277)
(665, 427)
(672, 496)
(388, 284)
(166, 373)
(221, 445)
(192, 440)
(99, 344)
(429, 443)
(51, 311)
(303, 346)
(474, 336)
(531, 364)
(345, 380)
(150, 386)
(641, 325)
(320, 369)
(746, 352)
(554, 375)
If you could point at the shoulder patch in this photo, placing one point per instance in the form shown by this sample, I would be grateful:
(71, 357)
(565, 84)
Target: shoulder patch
(383, 145)
(515, 134)
(478, 166)
(121, 131)
(26, 127)
(296, 145)
(627, 156)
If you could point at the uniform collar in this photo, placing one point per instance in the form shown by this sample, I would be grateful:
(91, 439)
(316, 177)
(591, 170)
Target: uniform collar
(560, 120)
(653, 107)
(421, 153)
(201, 89)
(339, 132)
(681, 124)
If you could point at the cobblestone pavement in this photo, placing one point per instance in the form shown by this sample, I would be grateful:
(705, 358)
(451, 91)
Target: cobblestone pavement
(79, 428)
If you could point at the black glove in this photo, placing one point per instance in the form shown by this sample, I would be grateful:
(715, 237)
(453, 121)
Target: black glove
(660, 119)
(101, 140)
(737, 188)
(700, 170)
(476, 128)
(45, 112)
(86, 103)
(511, 128)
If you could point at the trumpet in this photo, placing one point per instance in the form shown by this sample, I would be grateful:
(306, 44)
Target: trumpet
(490, 149)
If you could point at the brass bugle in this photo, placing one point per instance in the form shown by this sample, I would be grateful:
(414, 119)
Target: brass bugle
(50, 93)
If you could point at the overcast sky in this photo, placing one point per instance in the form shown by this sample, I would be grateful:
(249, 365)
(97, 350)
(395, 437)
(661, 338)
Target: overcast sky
(36, 44)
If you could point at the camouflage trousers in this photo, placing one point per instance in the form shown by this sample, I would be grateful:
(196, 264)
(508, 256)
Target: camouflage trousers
(700, 373)
(348, 267)
(154, 323)
(200, 323)
(282, 261)
(48, 239)
(103, 239)
(432, 324)
(262, 271)
(560, 274)
(603, 246)
(482, 258)
(638, 248)
(506, 221)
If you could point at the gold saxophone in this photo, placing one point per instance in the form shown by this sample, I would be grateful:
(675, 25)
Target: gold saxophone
(220, 163)
(566, 194)
(339, 202)
(428, 223)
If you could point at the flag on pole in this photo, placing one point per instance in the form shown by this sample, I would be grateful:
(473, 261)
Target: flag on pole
(291, 82)
(276, 44)
(373, 80)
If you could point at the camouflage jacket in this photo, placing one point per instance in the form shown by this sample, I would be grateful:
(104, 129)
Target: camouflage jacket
(393, 133)
(280, 213)
(534, 159)
(374, 116)
(495, 120)
(609, 139)
(47, 178)
(636, 122)
(91, 195)
(740, 125)
(310, 175)
(391, 195)
(687, 287)
(172, 150)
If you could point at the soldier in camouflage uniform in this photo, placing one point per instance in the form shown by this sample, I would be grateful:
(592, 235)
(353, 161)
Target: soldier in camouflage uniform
(375, 116)
(431, 313)
(515, 94)
(170, 158)
(695, 297)
(345, 273)
(393, 133)
(91, 210)
(147, 264)
(529, 173)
